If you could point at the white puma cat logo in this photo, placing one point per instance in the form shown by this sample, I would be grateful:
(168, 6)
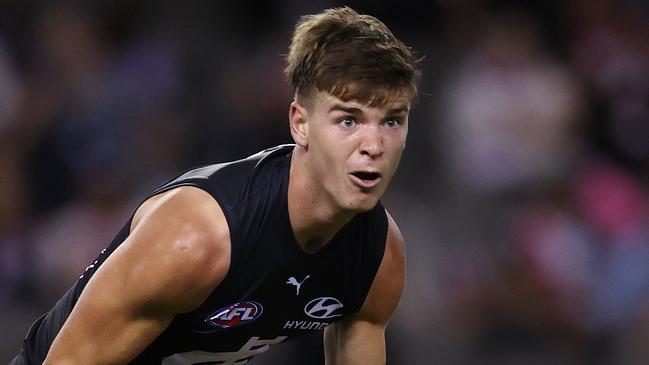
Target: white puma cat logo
(293, 281)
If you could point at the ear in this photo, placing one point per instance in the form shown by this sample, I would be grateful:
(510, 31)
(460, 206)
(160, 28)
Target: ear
(297, 116)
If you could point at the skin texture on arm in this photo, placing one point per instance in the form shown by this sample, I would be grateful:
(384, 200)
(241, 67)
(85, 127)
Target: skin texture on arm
(177, 253)
(360, 339)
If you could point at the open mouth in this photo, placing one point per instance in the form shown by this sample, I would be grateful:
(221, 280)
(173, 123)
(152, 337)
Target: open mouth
(363, 175)
(366, 179)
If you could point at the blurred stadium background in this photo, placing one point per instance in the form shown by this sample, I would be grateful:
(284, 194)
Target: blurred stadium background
(523, 193)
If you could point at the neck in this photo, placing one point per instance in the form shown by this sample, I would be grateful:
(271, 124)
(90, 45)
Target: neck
(314, 216)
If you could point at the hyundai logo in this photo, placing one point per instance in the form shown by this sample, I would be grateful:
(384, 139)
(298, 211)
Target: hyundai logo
(323, 308)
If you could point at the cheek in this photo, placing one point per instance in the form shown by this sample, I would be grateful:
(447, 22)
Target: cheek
(330, 159)
(397, 147)
(397, 143)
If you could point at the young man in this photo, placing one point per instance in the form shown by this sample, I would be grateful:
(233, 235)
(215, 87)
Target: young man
(228, 259)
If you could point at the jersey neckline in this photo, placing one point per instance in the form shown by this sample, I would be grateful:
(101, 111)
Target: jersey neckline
(329, 245)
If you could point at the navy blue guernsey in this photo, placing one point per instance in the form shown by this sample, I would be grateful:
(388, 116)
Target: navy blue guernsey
(273, 291)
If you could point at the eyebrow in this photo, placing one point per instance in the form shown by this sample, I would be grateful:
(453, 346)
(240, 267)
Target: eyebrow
(355, 110)
(346, 109)
(398, 110)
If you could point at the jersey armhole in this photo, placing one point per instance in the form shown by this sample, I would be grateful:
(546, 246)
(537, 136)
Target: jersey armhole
(225, 205)
(379, 221)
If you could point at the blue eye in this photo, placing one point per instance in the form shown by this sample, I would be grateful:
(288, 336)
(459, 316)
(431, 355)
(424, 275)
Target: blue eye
(347, 123)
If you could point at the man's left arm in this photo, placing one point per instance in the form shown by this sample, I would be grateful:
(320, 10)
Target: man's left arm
(360, 339)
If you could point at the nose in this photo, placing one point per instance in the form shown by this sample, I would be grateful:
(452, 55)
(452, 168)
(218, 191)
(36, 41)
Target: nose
(372, 143)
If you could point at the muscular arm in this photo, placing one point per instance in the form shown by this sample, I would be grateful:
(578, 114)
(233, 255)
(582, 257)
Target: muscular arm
(177, 253)
(361, 339)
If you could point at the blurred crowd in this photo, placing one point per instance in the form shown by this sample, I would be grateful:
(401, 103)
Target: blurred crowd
(523, 194)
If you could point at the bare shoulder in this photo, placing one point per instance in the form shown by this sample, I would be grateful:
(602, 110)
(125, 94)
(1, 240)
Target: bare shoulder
(177, 252)
(387, 287)
(181, 240)
(187, 205)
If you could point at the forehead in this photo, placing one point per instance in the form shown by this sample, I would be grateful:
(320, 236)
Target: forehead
(327, 101)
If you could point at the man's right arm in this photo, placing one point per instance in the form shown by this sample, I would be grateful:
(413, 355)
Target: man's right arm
(177, 253)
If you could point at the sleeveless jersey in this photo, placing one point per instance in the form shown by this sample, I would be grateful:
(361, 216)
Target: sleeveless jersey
(273, 290)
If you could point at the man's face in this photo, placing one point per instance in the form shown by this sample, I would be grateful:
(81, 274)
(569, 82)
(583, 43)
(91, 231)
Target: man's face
(354, 149)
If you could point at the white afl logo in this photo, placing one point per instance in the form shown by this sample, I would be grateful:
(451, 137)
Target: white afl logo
(323, 308)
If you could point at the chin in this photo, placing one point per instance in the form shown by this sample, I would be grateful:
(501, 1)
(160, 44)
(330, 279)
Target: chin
(365, 204)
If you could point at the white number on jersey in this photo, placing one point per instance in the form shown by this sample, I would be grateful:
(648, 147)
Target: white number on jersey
(252, 348)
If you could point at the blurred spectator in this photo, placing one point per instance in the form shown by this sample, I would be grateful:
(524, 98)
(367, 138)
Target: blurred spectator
(616, 209)
(509, 110)
(611, 52)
